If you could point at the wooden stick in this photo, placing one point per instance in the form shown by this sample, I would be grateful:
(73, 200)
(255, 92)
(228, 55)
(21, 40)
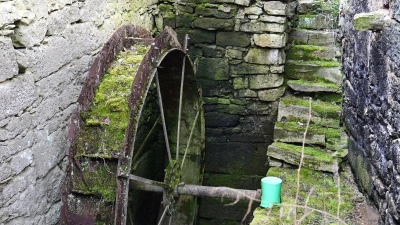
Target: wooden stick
(143, 184)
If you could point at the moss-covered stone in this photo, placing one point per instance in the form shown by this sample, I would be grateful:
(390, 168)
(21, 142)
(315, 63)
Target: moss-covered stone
(204, 10)
(370, 21)
(314, 158)
(270, 40)
(240, 83)
(248, 68)
(271, 95)
(213, 51)
(260, 27)
(197, 36)
(290, 136)
(311, 52)
(324, 197)
(213, 69)
(265, 56)
(238, 39)
(265, 81)
(319, 108)
(316, 85)
(316, 22)
(184, 20)
(299, 70)
(214, 24)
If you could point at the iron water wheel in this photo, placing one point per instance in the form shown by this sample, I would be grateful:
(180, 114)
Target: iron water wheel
(136, 141)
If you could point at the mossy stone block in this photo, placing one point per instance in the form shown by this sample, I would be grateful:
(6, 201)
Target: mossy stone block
(214, 24)
(316, 22)
(234, 54)
(312, 52)
(231, 108)
(213, 51)
(370, 21)
(238, 39)
(312, 86)
(240, 83)
(299, 70)
(271, 95)
(213, 69)
(216, 12)
(248, 68)
(265, 56)
(215, 88)
(314, 157)
(184, 20)
(265, 81)
(270, 40)
(196, 36)
(275, 8)
(246, 93)
(261, 27)
(288, 136)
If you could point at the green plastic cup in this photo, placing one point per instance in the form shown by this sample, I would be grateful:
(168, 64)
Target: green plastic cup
(270, 191)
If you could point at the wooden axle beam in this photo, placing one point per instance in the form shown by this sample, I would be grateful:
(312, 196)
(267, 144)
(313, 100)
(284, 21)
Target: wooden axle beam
(143, 184)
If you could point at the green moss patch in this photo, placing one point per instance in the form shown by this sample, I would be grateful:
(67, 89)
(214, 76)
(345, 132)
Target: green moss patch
(316, 152)
(314, 62)
(96, 179)
(324, 109)
(106, 120)
(312, 129)
(324, 197)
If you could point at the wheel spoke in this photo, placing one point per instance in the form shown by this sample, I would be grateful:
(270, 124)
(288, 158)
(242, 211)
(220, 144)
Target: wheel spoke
(190, 137)
(163, 119)
(163, 215)
(153, 128)
(180, 99)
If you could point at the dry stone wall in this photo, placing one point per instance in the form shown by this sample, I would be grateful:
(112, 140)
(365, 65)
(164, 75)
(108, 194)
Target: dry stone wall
(371, 33)
(46, 48)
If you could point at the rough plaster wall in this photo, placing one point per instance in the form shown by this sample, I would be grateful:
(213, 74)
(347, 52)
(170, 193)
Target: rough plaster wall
(371, 106)
(46, 47)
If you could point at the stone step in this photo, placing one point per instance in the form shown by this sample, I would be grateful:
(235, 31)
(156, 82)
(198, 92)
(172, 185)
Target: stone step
(316, 22)
(291, 136)
(313, 52)
(315, 86)
(313, 37)
(330, 70)
(324, 114)
(314, 157)
(308, 6)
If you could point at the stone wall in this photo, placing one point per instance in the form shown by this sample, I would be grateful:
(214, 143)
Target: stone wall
(46, 47)
(371, 107)
(238, 49)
